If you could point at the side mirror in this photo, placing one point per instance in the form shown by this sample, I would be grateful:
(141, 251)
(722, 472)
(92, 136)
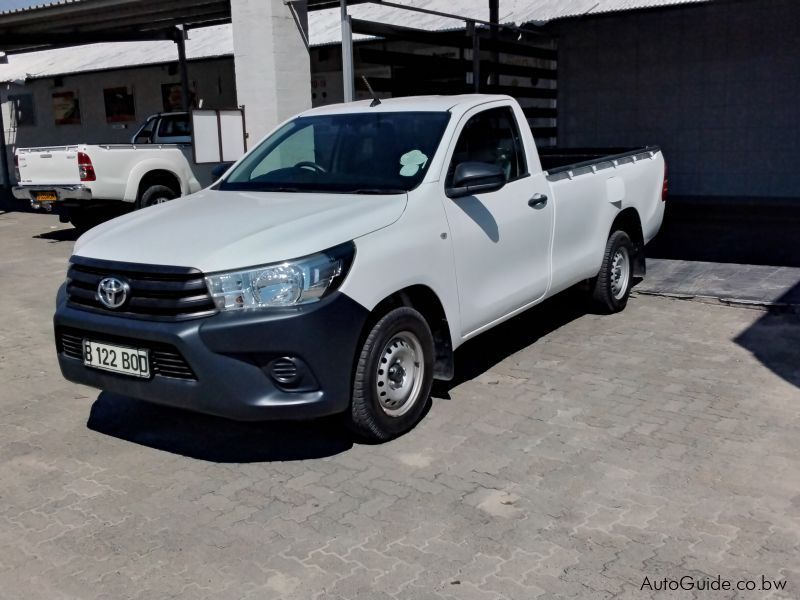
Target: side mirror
(219, 170)
(143, 138)
(476, 178)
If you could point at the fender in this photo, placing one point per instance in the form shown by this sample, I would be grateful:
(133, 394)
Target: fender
(183, 174)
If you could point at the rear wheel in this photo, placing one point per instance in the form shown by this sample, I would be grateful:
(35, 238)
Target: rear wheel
(393, 377)
(85, 219)
(612, 286)
(156, 194)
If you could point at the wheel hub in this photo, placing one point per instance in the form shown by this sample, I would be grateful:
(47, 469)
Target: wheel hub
(620, 273)
(399, 374)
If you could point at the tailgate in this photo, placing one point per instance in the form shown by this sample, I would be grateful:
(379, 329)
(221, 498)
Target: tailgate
(48, 166)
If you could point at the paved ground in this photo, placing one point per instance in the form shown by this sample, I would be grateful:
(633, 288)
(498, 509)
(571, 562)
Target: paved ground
(574, 456)
(728, 282)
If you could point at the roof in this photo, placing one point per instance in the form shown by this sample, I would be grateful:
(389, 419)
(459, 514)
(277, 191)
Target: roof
(542, 11)
(73, 22)
(324, 28)
(206, 42)
(408, 104)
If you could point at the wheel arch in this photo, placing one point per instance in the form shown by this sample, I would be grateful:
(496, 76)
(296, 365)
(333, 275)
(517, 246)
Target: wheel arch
(425, 301)
(159, 177)
(628, 220)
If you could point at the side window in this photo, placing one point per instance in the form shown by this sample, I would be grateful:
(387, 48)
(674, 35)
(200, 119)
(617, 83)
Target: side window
(145, 134)
(174, 126)
(491, 136)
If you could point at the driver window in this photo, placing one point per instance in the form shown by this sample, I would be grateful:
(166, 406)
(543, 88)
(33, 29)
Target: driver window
(491, 137)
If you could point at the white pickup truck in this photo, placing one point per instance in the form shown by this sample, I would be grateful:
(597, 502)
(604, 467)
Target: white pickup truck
(85, 183)
(337, 266)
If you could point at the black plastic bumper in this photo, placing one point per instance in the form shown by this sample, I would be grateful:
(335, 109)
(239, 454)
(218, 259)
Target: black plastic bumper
(230, 356)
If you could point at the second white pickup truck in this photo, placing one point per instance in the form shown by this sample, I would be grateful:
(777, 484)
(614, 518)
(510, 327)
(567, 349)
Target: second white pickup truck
(337, 266)
(85, 183)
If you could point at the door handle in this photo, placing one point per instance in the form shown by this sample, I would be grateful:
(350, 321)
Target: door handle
(538, 201)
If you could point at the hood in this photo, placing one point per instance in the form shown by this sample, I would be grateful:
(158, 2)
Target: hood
(219, 231)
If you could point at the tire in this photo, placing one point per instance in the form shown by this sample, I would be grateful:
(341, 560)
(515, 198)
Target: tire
(393, 376)
(84, 220)
(613, 283)
(156, 194)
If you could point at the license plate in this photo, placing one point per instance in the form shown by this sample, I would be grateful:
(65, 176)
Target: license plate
(118, 359)
(46, 196)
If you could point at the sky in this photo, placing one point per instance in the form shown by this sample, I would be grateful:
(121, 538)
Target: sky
(11, 4)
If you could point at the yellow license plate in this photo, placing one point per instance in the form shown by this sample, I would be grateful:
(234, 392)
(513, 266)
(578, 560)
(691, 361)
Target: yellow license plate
(46, 197)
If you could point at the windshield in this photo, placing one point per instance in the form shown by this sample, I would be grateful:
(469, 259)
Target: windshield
(368, 153)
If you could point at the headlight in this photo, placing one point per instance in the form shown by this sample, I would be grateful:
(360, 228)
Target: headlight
(288, 283)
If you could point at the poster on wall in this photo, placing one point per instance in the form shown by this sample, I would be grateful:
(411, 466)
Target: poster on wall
(172, 97)
(66, 108)
(119, 104)
(23, 112)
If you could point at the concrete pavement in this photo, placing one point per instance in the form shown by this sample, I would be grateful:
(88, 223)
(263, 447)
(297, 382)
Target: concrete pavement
(727, 282)
(574, 456)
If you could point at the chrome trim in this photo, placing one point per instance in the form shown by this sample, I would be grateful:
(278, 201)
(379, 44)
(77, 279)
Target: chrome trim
(63, 192)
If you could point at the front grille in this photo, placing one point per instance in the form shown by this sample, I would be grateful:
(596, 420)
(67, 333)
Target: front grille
(159, 293)
(165, 360)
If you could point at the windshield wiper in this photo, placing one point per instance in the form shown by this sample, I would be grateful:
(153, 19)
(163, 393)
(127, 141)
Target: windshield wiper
(375, 191)
(281, 189)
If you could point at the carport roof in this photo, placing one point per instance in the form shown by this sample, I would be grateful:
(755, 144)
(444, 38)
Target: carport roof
(78, 21)
(62, 22)
(68, 22)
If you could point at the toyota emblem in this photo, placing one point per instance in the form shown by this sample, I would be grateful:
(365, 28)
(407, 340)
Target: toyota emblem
(112, 292)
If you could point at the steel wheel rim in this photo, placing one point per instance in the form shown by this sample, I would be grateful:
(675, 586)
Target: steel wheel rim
(399, 374)
(620, 273)
(161, 200)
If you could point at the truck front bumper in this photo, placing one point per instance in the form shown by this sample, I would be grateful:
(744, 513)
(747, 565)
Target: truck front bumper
(232, 363)
(44, 196)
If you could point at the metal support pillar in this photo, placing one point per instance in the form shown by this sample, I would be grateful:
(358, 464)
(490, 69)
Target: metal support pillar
(3, 152)
(472, 31)
(180, 39)
(348, 69)
(494, 18)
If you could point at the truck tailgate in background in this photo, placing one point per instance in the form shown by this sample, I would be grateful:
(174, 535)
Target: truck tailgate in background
(57, 165)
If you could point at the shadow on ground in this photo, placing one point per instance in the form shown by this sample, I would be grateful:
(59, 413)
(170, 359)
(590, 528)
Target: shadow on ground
(775, 341)
(220, 440)
(59, 235)
(10, 204)
(480, 354)
(214, 439)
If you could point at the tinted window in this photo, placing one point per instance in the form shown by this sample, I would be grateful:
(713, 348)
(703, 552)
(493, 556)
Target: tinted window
(492, 137)
(174, 126)
(360, 152)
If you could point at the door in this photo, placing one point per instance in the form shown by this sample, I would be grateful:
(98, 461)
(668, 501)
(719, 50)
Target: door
(501, 239)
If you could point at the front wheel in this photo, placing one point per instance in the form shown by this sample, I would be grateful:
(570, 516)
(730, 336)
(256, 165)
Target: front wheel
(612, 286)
(393, 377)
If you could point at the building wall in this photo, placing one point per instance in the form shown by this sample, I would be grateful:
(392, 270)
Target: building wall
(211, 80)
(716, 86)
